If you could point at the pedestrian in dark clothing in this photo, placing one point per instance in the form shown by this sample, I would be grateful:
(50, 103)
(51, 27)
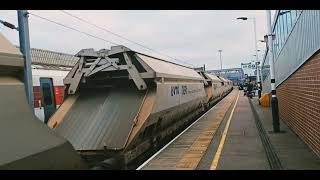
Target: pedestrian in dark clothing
(250, 87)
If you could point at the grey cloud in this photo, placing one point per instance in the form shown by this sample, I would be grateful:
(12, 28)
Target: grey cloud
(194, 36)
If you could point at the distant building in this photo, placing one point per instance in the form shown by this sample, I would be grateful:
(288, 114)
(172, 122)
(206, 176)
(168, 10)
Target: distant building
(52, 60)
(45, 59)
(296, 52)
(236, 75)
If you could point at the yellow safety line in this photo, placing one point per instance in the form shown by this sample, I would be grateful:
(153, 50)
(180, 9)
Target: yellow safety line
(216, 158)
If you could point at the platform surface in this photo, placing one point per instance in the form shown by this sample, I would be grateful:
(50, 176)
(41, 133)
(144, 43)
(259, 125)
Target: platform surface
(236, 135)
(187, 150)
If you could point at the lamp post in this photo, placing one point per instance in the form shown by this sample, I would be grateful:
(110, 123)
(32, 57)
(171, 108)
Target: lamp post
(25, 49)
(220, 58)
(274, 99)
(256, 52)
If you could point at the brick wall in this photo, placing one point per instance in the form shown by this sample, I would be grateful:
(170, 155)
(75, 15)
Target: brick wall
(299, 102)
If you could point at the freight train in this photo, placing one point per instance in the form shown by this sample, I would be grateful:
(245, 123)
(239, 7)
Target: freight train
(119, 103)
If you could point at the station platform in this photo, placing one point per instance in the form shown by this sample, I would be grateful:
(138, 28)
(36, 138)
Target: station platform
(236, 134)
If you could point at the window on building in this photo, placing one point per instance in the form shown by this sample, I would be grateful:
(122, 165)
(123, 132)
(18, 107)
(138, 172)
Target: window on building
(293, 16)
(285, 25)
(279, 33)
(289, 20)
(278, 38)
(282, 32)
(276, 41)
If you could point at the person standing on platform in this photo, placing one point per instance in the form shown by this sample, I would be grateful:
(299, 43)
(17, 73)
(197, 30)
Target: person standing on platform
(249, 89)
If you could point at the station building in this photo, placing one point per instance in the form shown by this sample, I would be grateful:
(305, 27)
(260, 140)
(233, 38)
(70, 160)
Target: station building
(297, 72)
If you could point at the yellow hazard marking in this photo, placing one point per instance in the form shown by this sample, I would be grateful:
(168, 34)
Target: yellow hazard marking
(216, 158)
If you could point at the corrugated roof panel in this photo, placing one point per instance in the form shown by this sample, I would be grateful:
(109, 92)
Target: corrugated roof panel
(40, 56)
(167, 69)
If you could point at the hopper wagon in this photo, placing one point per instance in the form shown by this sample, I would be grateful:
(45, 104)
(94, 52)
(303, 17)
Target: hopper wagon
(119, 103)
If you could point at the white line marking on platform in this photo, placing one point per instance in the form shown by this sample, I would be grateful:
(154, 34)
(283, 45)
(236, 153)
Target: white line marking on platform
(216, 158)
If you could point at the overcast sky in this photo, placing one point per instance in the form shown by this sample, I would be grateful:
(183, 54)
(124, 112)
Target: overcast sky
(192, 36)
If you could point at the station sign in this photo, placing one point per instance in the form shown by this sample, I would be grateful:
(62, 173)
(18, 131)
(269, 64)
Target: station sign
(248, 66)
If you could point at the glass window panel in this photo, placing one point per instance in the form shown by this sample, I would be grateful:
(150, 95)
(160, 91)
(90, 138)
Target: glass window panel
(298, 12)
(279, 32)
(286, 23)
(288, 17)
(289, 21)
(293, 16)
(276, 41)
(282, 30)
